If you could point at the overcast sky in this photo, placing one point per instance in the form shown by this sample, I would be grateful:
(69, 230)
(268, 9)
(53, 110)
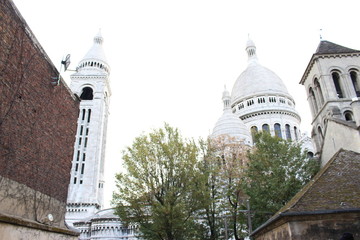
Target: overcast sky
(171, 59)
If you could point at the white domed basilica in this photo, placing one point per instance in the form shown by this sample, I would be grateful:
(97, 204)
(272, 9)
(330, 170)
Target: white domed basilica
(259, 101)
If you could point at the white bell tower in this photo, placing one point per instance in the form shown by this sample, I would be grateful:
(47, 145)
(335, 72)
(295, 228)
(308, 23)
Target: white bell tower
(91, 84)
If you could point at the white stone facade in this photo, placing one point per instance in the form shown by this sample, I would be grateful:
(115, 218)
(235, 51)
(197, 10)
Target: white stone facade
(105, 225)
(91, 84)
(261, 101)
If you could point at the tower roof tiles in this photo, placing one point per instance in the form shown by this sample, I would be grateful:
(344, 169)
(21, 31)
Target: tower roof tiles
(327, 47)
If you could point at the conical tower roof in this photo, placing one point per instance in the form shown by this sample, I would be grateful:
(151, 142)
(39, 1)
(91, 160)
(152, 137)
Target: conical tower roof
(94, 60)
(327, 47)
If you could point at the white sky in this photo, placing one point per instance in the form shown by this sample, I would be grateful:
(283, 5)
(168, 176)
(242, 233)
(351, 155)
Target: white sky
(171, 59)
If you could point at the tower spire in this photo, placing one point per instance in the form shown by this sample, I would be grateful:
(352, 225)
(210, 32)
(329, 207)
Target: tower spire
(95, 58)
(251, 50)
(98, 39)
(226, 98)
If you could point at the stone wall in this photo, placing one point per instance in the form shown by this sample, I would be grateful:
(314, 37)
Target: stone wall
(37, 119)
(37, 132)
(315, 227)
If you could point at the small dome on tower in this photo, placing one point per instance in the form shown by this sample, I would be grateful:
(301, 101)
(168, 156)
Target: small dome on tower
(95, 60)
(230, 125)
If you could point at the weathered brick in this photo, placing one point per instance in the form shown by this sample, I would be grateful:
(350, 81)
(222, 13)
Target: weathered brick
(37, 119)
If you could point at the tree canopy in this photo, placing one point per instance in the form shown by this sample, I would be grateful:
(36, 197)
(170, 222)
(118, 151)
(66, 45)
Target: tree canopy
(276, 171)
(174, 188)
(224, 160)
(161, 186)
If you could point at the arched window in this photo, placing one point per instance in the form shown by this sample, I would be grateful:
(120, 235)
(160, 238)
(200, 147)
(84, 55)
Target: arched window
(87, 94)
(355, 82)
(313, 100)
(348, 116)
(336, 80)
(277, 129)
(265, 128)
(295, 133)
(287, 130)
(310, 154)
(319, 91)
(254, 130)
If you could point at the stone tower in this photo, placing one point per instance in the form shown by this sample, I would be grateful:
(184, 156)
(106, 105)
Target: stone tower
(331, 80)
(91, 84)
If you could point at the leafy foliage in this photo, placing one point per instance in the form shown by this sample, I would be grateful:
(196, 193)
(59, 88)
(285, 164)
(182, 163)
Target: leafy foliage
(224, 163)
(277, 170)
(161, 188)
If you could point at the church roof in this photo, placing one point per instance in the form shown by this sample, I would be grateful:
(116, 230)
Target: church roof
(327, 47)
(336, 188)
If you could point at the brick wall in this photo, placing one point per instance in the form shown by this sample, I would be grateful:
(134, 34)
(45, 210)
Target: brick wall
(37, 119)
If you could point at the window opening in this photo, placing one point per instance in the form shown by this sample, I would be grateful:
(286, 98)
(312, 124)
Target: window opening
(74, 180)
(89, 115)
(254, 130)
(336, 80)
(277, 128)
(353, 75)
(86, 140)
(84, 155)
(318, 88)
(348, 116)
(296, 133)
(287, 130)
(266, 128)
(81, 130)
(82, 168)
(87, 94)
(313, 99)
(76, 167)
(83, 115)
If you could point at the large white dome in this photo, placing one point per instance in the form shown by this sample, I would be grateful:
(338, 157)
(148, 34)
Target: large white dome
(257, 80)
(261, 100)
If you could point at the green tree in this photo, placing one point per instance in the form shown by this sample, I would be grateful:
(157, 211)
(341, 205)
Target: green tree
(224, 161)
(276, 171)
(160, 191)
